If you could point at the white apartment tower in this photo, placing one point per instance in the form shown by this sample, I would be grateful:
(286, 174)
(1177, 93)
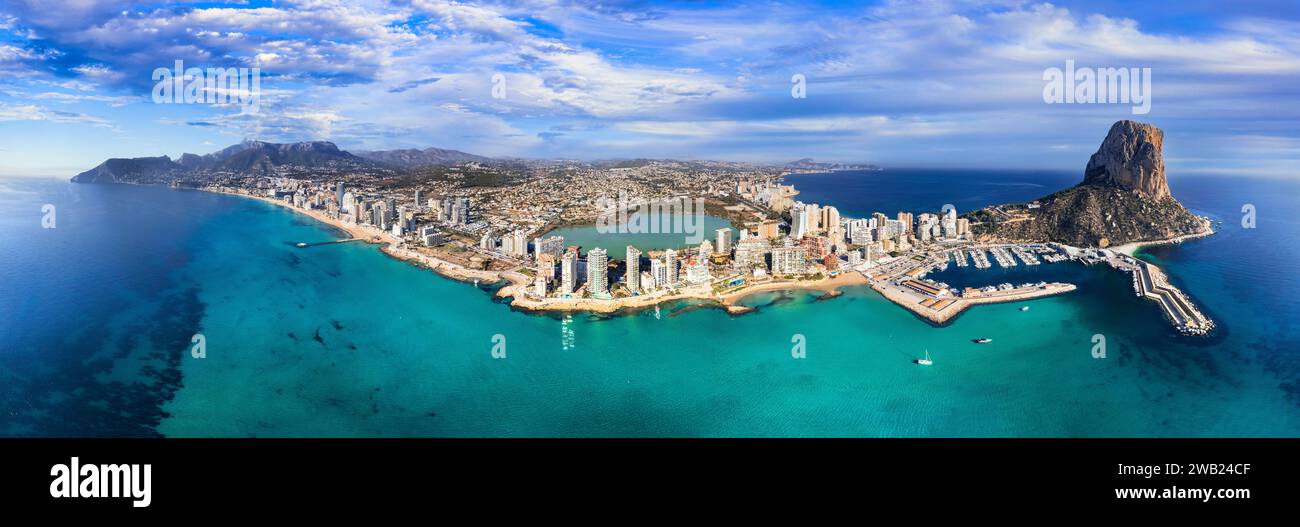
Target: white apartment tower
(798, 221)
(722, 243)
(632, 278)
(597, 271)
(568, 272)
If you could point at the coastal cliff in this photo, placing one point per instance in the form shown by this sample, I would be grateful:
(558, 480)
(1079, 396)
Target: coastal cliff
(1124, 197)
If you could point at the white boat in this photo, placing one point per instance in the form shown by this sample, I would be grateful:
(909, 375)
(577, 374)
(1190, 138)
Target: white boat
(302, 244)
(926, 361)
(657, 312)
(1024, 308)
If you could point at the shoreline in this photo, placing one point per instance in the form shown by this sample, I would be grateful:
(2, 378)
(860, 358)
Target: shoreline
(388, 244)
(728, 302)
(518, 282)
(937, 314)
(1131, 248)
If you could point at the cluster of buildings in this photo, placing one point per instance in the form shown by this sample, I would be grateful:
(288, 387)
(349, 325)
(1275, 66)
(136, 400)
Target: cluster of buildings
(428, 220)
(571, 276)
(815, 240)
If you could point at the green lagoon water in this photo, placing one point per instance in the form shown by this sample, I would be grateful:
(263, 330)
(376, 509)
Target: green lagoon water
(616, 240)
(340, 340)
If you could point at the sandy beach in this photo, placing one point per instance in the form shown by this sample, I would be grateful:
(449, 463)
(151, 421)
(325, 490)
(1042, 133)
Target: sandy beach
(389, 244)
(697, 292)
(828, 285)
(1132, 247)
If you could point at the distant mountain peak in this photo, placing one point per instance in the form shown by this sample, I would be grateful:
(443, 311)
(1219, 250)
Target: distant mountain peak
(417, 158)
(809, 163)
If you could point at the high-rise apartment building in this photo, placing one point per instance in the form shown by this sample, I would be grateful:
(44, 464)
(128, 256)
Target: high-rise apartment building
(597, 271)
(632, 278)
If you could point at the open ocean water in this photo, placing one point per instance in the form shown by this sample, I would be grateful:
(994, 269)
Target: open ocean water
(97, 315)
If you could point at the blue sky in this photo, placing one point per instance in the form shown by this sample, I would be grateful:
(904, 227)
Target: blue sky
(940, 83)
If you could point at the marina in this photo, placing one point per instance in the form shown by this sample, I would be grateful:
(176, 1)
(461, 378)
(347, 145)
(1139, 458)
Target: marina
(903, 281)
(1025, 255)
(1004, 259)
(959, 257)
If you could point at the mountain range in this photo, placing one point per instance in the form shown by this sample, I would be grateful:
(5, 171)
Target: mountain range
(414, 158)
(262, 158)
(808, 163)
(323, 158)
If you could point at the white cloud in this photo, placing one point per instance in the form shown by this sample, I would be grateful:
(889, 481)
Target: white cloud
(919, 77)
(32, 112)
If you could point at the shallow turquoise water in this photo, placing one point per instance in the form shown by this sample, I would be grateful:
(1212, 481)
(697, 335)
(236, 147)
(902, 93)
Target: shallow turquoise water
(340, 340)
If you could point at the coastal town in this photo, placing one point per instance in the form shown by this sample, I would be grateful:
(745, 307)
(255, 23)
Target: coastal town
(504, 231)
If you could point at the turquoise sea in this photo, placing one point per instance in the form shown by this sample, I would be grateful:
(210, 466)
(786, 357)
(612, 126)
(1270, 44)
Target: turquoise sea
(97, 315)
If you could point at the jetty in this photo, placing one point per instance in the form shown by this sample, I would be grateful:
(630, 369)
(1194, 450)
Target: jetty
(939, 306)
(1151, 282)
(303, 245)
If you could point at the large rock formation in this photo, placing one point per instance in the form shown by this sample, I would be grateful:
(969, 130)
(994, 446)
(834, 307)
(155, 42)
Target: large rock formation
(1130, 158)
(1124, 197)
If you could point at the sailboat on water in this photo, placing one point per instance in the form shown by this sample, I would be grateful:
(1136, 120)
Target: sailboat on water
(926, 361)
